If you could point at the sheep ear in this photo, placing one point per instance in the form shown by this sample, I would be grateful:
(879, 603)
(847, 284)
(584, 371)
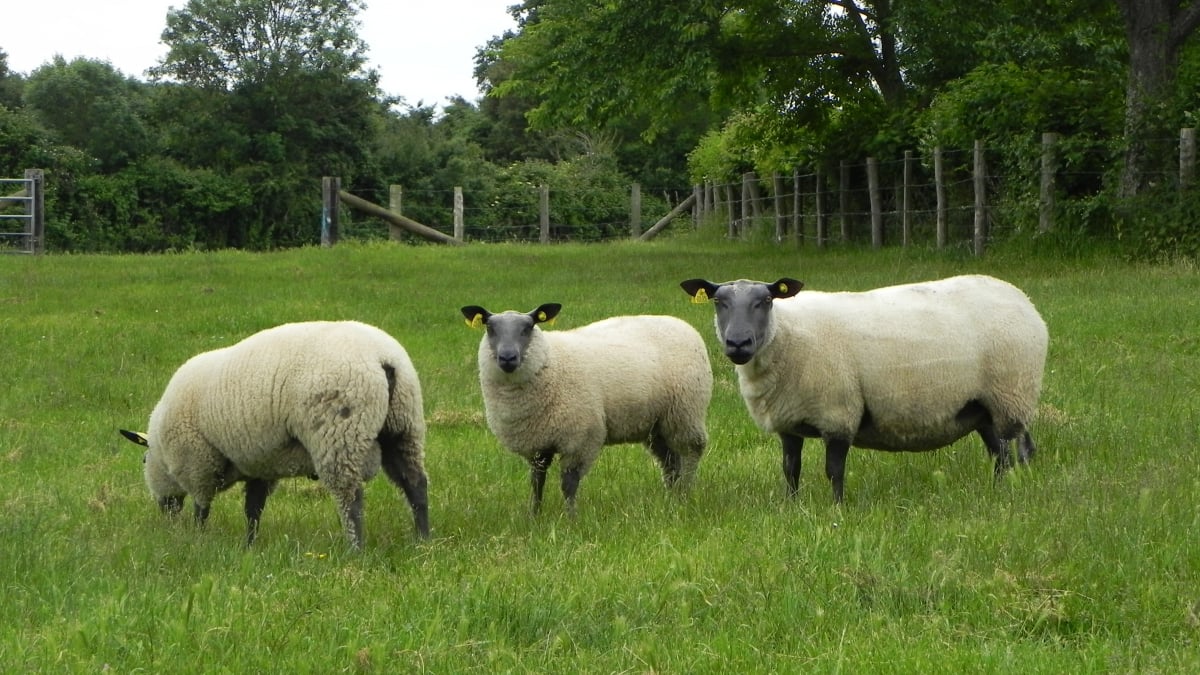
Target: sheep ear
(135, 437)
(700, 289)
(546, 312)
(785, 288)
(476, 316)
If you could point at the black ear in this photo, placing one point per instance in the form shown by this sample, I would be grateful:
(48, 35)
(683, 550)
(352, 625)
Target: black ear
(476, 316)
(785, 288)
(135, 437)
(546, 312)
(701, 290)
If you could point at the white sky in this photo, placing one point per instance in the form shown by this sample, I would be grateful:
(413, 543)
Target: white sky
(424, 50)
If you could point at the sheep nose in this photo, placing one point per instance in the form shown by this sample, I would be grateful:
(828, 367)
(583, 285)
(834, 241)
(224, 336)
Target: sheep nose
(739, 351)
(507, 361)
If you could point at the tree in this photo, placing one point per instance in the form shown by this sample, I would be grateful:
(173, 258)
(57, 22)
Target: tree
(222, 44)
(90, 105)
(1156, 31)
(276, 96)
(11, 85)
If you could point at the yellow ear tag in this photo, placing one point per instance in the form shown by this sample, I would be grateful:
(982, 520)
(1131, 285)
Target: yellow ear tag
(476, 322)
(700, 297)
(783, 288)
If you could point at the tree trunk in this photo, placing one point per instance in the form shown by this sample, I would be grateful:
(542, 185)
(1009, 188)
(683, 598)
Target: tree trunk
(1154, 29)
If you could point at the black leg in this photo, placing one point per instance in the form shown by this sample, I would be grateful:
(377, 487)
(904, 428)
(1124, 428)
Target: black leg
(537, 476)
(570, 485)
(997, 447)
(792, 449)
(256, 498)
(667, 458)
(201, 513)
(836, 450)
(404, 468)
(356, 519)
(1026, 449)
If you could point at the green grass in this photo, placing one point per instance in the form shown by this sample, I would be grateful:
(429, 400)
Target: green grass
(1087, 561)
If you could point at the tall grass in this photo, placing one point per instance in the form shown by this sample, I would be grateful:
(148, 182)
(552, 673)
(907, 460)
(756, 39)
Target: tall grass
(1088, 560)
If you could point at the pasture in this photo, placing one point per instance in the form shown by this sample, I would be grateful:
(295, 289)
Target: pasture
(1088, 560)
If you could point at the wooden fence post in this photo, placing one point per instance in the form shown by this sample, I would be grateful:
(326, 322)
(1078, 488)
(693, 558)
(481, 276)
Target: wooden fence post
(797, 206)
(844, 198)
(906, 201)
(396, 206)
(330, 187)
(1046, 195)
(635, 210)
(1187, 156)
(822, 235)
(36, 209)
(876, 206)
(459, 225)
(780, 216)
(697, 205)
(980, 199)
(940, 188)
(544, 214)
(729, 211)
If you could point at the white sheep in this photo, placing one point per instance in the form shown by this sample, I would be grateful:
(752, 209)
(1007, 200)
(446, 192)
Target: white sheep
(904, 368)
(628, 379)
(335, 400)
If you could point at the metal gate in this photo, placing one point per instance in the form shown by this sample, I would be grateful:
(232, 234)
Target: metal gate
(22, 217)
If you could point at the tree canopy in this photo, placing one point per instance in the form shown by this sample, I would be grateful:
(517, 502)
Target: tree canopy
(255, 100)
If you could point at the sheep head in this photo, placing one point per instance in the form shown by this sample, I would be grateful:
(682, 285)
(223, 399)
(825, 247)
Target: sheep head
(743, 311)
(509, 333)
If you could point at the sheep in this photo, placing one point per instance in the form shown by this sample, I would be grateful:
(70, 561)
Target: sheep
(626, 379)
(331, 399)
(912, 367)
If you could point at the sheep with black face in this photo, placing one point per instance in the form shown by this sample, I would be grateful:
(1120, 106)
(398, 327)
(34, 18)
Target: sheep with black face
(627, 379)
(912, 367)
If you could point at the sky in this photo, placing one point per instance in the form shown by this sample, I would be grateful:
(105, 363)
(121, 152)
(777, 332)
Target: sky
(424, 50)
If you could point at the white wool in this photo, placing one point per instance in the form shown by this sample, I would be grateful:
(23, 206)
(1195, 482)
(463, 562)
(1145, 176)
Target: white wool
(613, 381)
(912, 355)
(294, 400)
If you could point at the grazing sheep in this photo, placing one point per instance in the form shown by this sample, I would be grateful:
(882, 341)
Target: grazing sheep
(912, 367)
(628, 379)
(335, 400)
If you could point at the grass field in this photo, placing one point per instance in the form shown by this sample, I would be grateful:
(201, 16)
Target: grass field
(1086, 561)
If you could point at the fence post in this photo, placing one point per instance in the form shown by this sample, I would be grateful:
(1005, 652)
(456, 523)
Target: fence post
(330, 187)
(940, 188)
(729, 211)
(697, 205)
(906, 201)
(797, 205)
(843, 198)
(459, 225)
(635, 210)
(396, 206)
(822, 235)
(980, 199)
(1187, 156)
(777, 199)
(544, 214)
(1049, 176)
(876, 205)
(36, 209)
